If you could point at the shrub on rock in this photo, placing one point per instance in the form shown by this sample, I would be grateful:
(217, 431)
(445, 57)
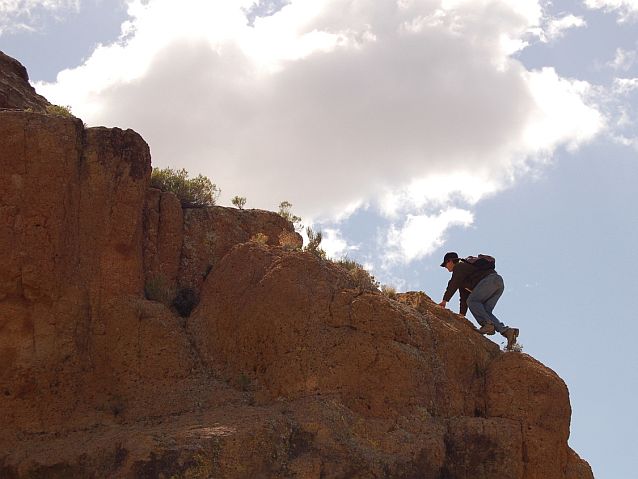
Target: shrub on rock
(192, 192)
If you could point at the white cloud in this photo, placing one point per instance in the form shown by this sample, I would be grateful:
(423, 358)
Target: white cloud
(619, 102)
(437, 190)
(627, 10)
(626, 141)
(413, 106)
(335, 245)
(623, 59)
(557, 27)
(17, 7)
(561, 116)
(422, 234)
(18, 15)
(622, 86)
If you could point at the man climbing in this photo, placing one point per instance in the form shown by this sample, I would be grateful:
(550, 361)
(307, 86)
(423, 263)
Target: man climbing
(480, 287)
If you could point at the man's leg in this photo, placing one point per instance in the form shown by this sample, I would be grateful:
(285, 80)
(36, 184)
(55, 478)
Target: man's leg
(475, 302)
(483, 298)
(489, 290)
(490, 303)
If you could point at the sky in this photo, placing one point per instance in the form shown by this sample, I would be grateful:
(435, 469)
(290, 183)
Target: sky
(401, 129)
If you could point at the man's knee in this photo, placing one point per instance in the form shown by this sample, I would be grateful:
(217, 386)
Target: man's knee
(473, 304)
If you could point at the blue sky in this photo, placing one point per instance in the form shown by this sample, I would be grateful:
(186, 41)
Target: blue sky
(402, 129)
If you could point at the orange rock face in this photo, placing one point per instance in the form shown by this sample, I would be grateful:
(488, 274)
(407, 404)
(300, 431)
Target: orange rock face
(70, 244)
(285, 368)
(209, 233)
(163, 237)
(302, 331)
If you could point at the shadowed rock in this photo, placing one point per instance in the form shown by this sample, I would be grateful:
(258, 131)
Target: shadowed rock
(15, 91)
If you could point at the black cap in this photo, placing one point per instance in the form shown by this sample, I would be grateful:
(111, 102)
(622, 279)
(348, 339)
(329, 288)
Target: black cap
(448, 257)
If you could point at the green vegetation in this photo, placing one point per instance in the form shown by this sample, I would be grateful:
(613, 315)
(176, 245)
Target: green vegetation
(389, 291)
(239, 202)
(348, 263)
(314, 240)
(58, 110)
(285, 211)
(360, 276)
(192, 192)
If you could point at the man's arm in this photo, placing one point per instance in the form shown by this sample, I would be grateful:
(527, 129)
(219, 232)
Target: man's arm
(454, 283)
(464, 294)
(449, 292)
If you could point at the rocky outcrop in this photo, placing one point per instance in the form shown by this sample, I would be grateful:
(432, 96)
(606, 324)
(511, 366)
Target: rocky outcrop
(15, 91)
(285, 369)
(72, 270)
(163, 238)
(303, 330)
(182, 245)
(70, 230)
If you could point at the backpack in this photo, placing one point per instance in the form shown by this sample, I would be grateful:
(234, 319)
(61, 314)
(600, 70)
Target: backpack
(481, 262)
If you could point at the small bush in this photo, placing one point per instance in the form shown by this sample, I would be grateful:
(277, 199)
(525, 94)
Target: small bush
(192, 192)
(314, 240)
(260, 238)
(285, 211)
(362, 279)
(185, 301)
(289, 241)
(239, 202)
(58, 110)
(389, 291)
(348, 263)
(158, 289)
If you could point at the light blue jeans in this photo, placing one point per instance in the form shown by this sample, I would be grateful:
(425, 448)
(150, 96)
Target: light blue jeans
(483, 299)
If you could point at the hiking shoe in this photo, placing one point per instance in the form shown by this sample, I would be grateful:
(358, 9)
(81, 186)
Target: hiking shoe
(487, 328)
(511, 334)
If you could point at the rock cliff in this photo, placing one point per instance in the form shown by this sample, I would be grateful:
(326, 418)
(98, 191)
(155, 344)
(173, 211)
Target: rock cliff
(15, 91)
(285, 368)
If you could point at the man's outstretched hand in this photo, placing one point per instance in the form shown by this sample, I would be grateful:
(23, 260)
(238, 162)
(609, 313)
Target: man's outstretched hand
(442, 304)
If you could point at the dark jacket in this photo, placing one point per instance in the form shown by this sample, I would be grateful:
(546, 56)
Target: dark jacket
(465, 277)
